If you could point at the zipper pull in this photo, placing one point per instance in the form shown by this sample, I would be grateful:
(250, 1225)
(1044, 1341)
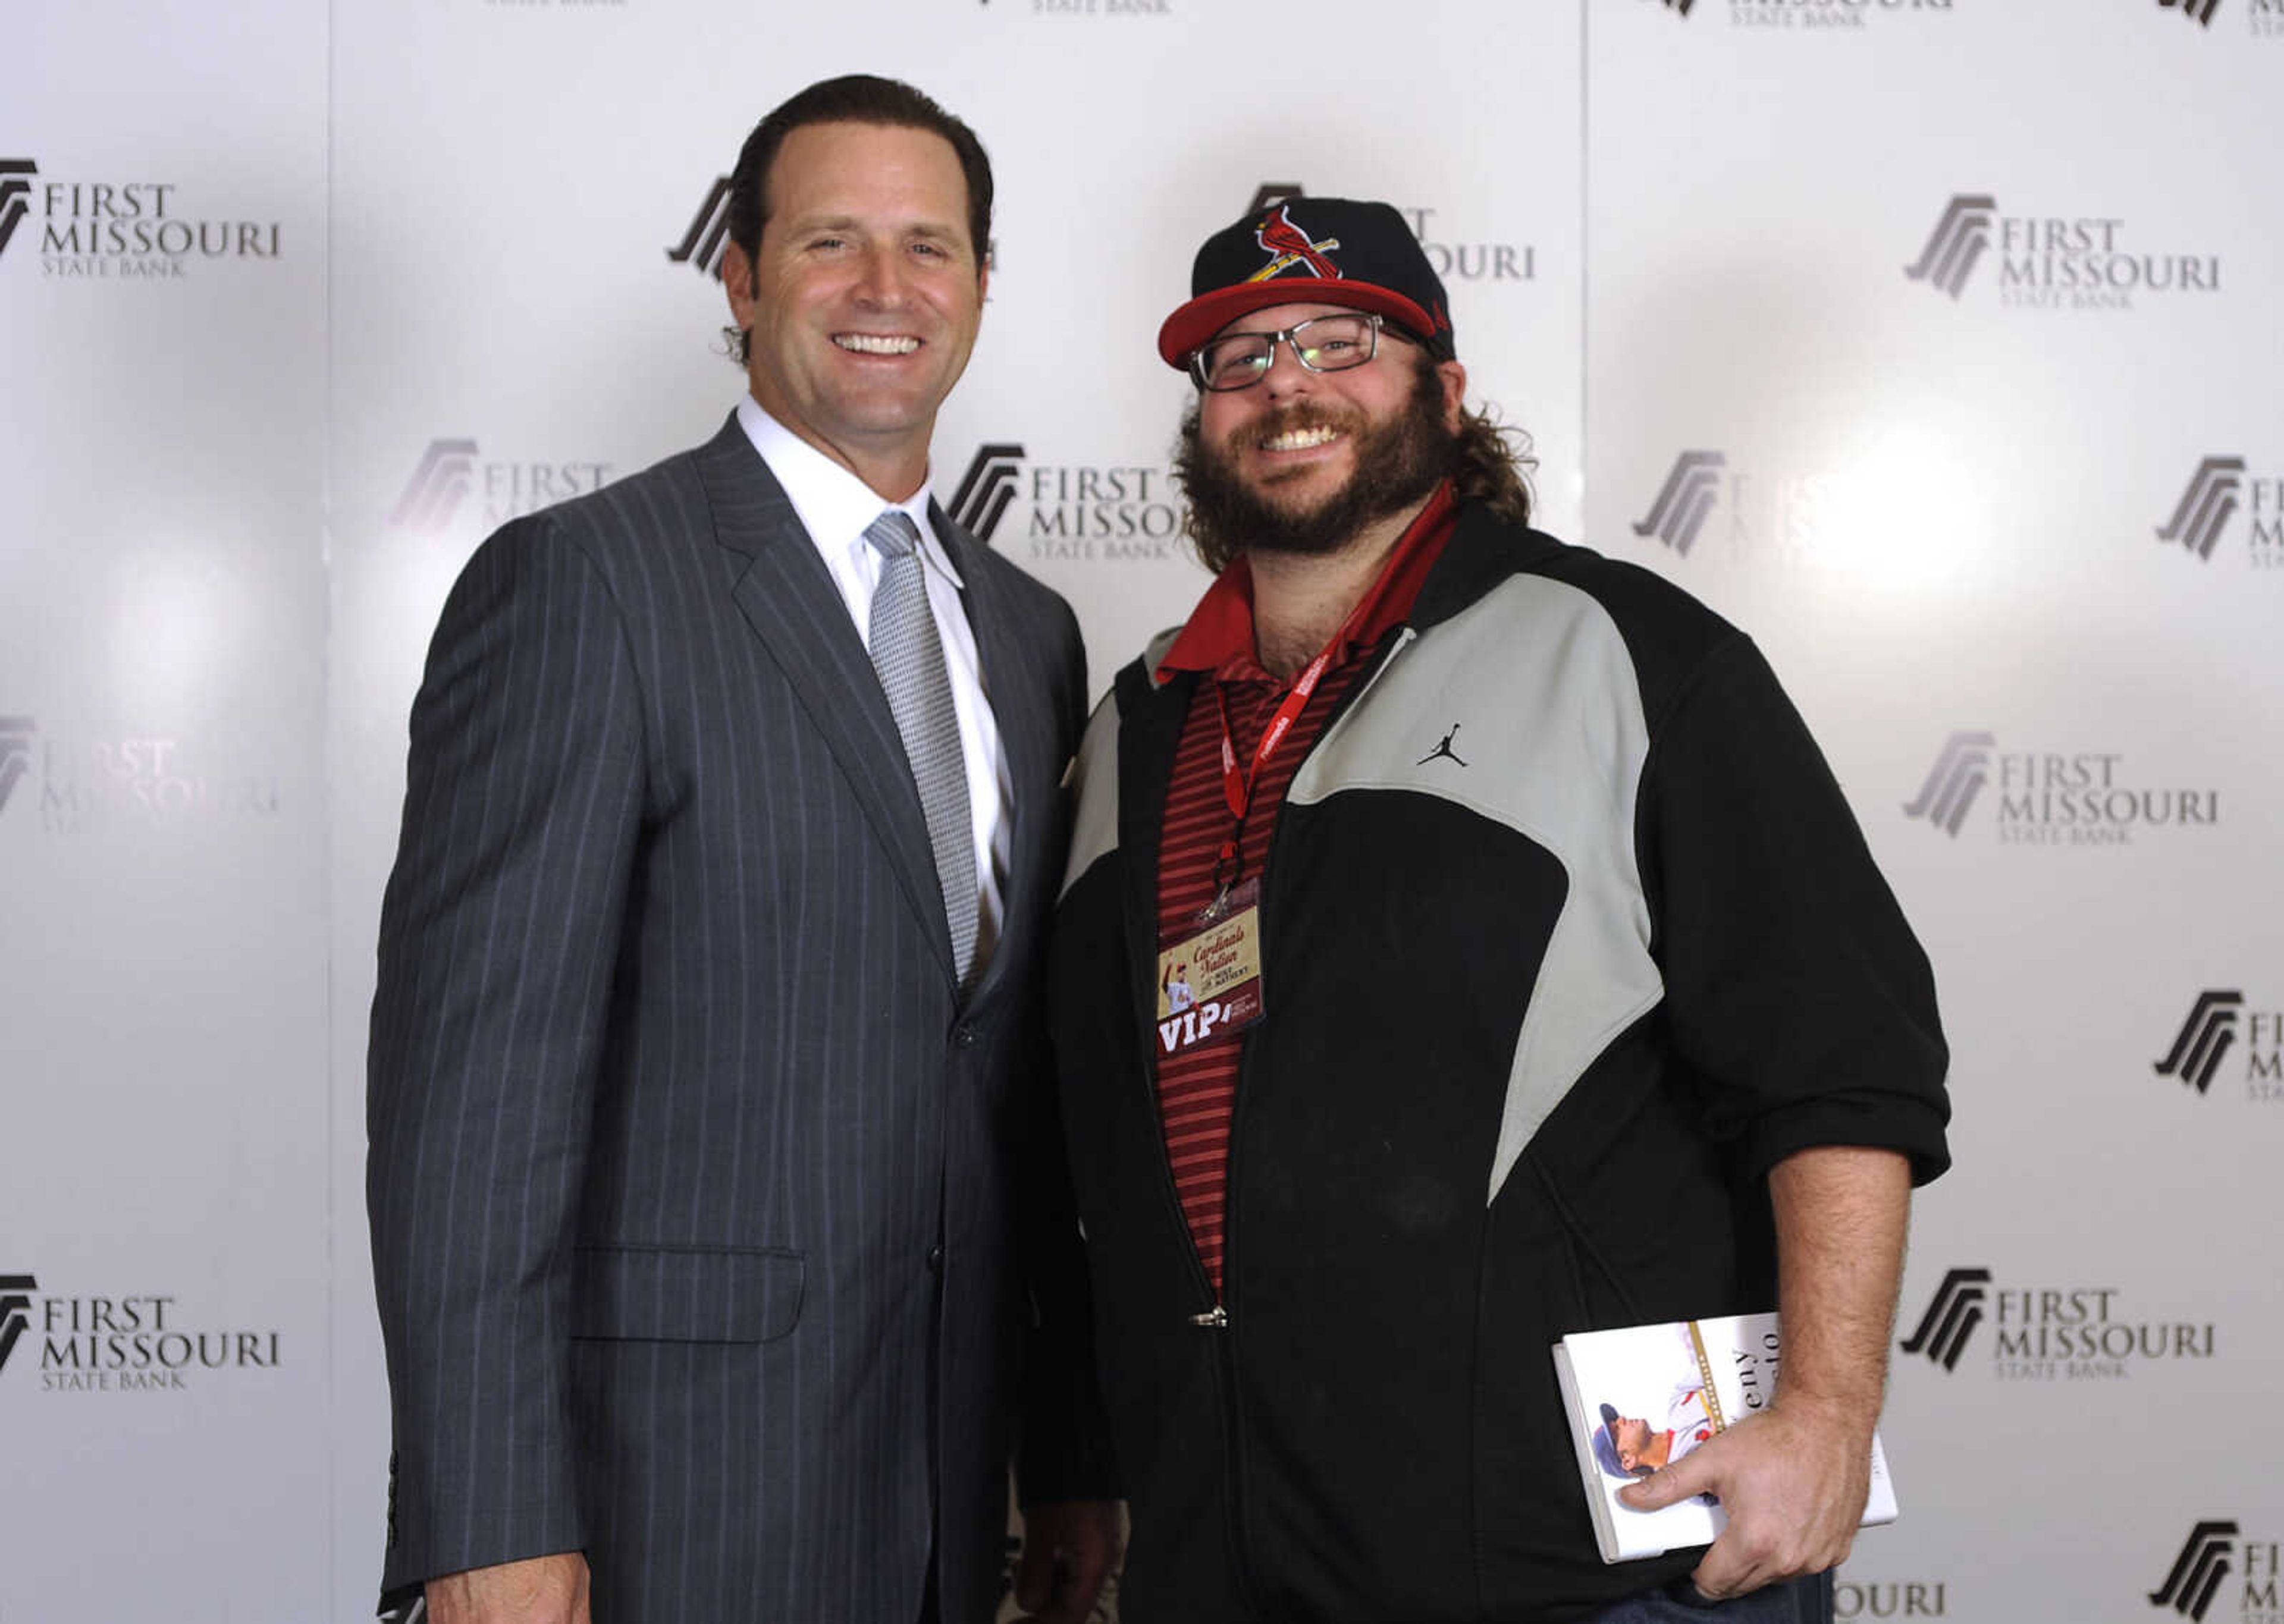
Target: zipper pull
(1216, 1318)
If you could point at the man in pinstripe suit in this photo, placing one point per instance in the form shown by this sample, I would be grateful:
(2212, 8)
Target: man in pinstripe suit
(719, 1230)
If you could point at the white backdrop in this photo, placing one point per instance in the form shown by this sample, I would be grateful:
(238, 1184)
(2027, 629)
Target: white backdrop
(296, 306)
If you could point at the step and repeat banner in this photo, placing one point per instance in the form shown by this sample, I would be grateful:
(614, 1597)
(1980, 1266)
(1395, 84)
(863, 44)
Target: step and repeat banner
(1939, 343)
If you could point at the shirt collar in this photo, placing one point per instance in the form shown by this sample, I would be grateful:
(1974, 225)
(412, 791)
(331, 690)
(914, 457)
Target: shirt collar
(833, 505)
(1218, 635)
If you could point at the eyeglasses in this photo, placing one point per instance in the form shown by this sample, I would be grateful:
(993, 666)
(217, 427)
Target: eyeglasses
(1322, 344)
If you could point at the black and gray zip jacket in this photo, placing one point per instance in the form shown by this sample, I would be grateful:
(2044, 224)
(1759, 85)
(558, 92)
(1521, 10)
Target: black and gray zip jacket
(1538, 1022)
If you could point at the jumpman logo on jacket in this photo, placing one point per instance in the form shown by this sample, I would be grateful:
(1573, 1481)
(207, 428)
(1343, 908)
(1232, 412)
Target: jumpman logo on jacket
(1443, 749)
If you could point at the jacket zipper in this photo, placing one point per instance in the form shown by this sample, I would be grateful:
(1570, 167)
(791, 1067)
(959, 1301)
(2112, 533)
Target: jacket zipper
(1218, 1318)
(1213, 1319)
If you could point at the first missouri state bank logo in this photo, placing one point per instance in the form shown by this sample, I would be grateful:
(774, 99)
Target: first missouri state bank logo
(15, 195)
(448, 474)
(2053, 797)
(708, 233)
(134, 1342)
(2198, 1570)
(2223, 487)
(1962, 767)
(438, 485)
(1956, 245)
(1951, 1318)
(1688, 495)
(2221, 1022)
(15, 755)
(2206, 506)
(2216, 1548)
(1070, 513)
(1780, 516)
(75, 785)
(2073, 1332)
(15, 1311)
(2054, 262)
(121, 230)
(985, 490)
(1809, 16)
(2204, 1039)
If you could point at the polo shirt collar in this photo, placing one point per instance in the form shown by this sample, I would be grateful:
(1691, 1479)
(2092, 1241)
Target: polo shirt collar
(1218, 635)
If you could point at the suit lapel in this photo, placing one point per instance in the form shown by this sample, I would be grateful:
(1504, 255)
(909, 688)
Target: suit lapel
(1018, 688)
(789, 600)
(1150, 719)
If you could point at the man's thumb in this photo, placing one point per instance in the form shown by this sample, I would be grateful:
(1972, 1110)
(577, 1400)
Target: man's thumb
(1669, 1485)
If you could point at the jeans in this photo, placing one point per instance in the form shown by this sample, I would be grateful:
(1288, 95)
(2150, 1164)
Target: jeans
(1799, 1601)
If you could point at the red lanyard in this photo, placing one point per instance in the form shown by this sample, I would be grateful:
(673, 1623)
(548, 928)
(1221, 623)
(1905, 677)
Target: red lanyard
(1236, 787)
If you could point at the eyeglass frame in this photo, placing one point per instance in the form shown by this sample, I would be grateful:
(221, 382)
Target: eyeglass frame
(1376, 323)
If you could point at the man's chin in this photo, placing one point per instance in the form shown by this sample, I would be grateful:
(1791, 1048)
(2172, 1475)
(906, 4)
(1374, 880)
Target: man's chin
(1298, 529)
(1299, 494)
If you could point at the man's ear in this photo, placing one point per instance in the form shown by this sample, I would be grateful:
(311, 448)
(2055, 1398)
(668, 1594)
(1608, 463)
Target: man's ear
(1454, 380)
(737, 282)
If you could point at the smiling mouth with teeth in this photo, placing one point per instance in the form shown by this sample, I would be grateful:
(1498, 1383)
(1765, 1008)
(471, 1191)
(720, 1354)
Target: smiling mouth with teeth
(1300, 438)
(876, 343)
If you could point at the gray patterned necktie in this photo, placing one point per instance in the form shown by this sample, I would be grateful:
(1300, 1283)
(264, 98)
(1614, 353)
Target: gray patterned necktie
(909, 656)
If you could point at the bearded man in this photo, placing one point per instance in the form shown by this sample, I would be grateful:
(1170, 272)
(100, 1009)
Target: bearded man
(1540, 983)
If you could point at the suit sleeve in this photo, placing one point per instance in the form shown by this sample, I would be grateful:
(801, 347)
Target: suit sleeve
(1065, 1452)
(1793, 984)
(497, 938)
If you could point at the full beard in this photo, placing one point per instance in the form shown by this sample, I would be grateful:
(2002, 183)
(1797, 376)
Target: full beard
(1397, 463)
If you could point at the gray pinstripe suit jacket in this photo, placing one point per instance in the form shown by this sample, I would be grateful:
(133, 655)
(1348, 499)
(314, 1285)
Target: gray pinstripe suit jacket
(713, 1234)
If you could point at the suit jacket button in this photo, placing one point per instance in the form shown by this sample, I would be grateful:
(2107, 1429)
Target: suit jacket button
(935, 1260)
(963, 1036)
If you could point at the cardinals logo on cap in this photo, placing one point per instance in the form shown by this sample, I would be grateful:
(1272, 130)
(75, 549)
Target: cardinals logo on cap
(1288, 245)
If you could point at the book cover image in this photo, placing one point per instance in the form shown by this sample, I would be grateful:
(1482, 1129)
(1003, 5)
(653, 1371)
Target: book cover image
(1647, 1396)
(1657, 1403)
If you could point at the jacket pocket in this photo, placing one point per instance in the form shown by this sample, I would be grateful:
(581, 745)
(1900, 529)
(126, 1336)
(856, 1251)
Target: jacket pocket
(667, 1294)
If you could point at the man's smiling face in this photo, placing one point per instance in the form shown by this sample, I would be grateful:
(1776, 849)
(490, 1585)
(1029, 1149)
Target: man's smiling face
(1299, 461)
(1297, 438)
(864, 299)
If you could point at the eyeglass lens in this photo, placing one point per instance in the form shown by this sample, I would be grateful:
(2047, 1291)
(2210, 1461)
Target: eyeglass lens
(1322, 344)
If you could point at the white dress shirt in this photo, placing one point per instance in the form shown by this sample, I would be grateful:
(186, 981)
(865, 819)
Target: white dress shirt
(835, 506)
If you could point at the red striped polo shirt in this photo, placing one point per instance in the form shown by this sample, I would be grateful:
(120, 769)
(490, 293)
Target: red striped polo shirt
(1197, 1088)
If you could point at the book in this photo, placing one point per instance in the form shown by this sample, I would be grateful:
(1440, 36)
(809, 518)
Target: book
(1647, 1395)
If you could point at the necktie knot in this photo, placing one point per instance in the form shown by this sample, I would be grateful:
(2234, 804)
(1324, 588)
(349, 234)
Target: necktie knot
(894, 534)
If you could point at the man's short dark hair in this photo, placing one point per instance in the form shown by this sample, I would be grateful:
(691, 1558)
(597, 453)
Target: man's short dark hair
(854, 98)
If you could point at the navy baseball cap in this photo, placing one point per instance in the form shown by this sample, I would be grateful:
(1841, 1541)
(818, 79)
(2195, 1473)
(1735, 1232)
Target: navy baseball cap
(1312, 250)
(1605, 1453)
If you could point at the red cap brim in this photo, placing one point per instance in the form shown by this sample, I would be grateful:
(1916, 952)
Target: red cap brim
(1208, 314)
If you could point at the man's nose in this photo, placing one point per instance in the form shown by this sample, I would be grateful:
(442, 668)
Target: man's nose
(1285, 374)
(882, 282)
